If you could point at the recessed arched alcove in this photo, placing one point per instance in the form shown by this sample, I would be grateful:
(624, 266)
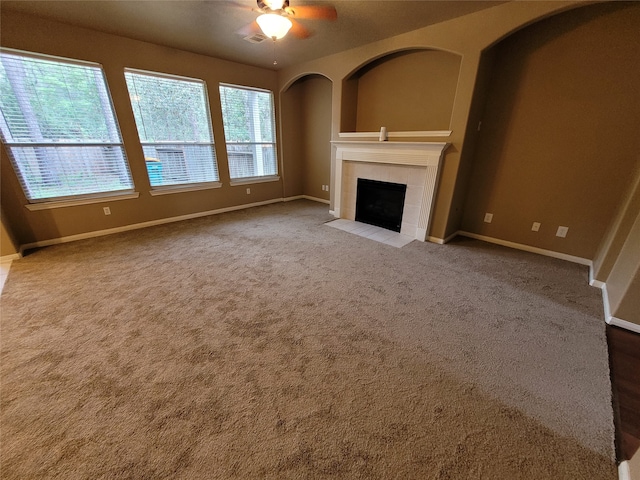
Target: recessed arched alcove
(410, 90)
(306, 136)
(559, 107)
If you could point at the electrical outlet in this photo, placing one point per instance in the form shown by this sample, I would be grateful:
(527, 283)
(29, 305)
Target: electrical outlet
(535, 227)
(562, 232)
(107, 210)
(323, 188)
(326, 187)
(488, 217)
(248, 191)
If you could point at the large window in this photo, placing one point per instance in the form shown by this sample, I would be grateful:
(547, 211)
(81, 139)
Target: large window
(249, 130)
(172, 116)
(58, 123)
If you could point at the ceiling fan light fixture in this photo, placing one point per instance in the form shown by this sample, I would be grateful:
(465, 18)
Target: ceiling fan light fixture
(273, 25)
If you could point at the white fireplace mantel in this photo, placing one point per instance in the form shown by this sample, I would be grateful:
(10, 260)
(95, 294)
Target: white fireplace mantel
(416, 164)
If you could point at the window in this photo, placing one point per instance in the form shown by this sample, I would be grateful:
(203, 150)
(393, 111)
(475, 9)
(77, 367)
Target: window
(58, 123)
(249, 130)
(172, 116)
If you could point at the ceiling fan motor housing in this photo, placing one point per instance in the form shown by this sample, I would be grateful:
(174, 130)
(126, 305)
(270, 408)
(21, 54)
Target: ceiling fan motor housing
(265, 5)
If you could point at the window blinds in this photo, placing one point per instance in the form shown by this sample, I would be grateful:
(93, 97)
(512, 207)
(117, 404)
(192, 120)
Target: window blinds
(172, 117)
(249, 129)
(59, 126)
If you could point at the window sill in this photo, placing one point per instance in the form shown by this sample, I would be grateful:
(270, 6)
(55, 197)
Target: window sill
(82, 201)
(250, 180)
(184, 188)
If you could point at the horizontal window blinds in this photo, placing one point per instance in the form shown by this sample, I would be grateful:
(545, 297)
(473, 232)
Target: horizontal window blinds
(172, 117)
(249, 129)
(58, 123)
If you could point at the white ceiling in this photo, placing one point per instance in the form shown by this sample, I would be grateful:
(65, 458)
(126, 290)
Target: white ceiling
(209, 27)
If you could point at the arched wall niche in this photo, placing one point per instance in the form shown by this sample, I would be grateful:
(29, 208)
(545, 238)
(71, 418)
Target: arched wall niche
(406, 90)
(306, 135)
(559, 108)
(303, 76)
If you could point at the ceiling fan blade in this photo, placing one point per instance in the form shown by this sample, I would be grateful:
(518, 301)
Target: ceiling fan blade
(314, 12)
(249, 29)
(239, 5)
(298, 30)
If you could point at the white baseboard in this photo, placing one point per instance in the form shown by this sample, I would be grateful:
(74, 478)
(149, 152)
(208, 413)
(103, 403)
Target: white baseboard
(610, 319)
(442, 241)
(306, 197)
(316, 199)
(10, 258)
(618, 322)
(137, 226)
(624, 473)
(528, 248)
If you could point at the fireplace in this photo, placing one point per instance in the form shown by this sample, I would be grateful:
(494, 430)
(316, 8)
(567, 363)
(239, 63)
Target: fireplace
(380, 203)
(414, 164)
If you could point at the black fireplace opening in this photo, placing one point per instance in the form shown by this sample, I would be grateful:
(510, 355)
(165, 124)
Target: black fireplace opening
(380, 203)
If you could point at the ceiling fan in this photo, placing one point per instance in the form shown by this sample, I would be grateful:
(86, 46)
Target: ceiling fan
(277, 17)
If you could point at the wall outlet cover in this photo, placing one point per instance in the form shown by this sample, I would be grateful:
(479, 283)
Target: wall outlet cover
(535, 227)
(488, 217)
(562, 232)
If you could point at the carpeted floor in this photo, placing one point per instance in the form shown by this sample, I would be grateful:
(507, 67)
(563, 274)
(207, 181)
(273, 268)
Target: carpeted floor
(264, 344)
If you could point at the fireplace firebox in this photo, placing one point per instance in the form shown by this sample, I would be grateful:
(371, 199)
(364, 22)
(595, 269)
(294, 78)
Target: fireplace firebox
(380, 203)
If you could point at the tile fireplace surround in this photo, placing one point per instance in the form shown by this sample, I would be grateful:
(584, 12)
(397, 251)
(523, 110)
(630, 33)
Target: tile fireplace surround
(414, 164)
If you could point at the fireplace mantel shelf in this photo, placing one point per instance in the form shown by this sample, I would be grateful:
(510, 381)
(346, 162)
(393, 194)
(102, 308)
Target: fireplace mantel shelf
(386, 143)
(407, 134)
(398, 153)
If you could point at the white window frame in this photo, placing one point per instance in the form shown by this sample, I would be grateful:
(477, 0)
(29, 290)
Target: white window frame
(188, 186)
(72, 199)
(260, 178)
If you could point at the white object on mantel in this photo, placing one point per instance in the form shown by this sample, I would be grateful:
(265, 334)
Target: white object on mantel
(419, 162)
(383, 134)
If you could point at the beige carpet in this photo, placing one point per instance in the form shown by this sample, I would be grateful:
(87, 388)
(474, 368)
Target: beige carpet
(264, 344)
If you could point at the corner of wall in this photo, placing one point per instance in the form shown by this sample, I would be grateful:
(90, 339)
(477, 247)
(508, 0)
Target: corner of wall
(8, 245)
(610, 246)
(616, 267)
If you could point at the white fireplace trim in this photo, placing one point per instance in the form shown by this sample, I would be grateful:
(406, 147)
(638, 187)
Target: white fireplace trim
(426, 155)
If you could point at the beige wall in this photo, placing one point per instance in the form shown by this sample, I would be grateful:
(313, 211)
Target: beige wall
(115, 53)
(406, 91)
(623, 284)
(306, 126)
(618, 232)
(292, 140)
(7, 245)
(317, 125)
(559, 141)
(617, 263)
(467, 37)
